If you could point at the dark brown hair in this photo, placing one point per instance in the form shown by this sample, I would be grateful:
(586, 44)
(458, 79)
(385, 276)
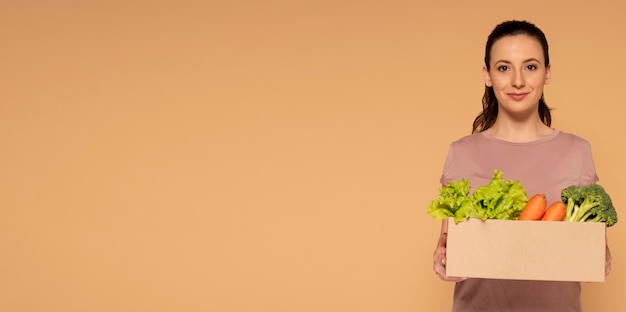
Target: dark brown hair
(487, 117)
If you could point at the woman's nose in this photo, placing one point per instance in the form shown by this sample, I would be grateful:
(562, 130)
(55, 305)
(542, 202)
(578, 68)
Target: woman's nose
(518, 79)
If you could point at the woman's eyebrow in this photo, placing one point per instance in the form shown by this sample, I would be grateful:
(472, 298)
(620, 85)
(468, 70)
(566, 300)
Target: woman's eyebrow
(532, 59)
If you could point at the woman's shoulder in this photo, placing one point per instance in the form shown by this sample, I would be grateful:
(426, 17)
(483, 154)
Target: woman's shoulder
(469, 139)
(570, 138)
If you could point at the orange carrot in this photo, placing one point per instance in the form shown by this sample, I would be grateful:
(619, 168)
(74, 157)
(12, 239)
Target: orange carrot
(556, 212)
(534, 209)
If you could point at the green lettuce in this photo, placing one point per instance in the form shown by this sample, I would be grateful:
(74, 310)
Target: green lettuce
(453, 201)
(499, 199)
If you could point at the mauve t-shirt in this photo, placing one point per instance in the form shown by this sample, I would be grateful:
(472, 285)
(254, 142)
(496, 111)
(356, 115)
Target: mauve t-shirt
(546, 166)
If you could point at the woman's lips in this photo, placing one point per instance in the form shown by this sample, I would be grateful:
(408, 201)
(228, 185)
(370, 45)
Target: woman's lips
(518, 96)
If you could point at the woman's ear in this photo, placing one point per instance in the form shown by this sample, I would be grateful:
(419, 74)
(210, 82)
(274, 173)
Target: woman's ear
(548, 75)
(487, 77)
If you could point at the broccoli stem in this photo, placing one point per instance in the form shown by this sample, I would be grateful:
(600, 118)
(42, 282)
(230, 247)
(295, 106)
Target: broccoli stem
(570, 210)
(583, 211)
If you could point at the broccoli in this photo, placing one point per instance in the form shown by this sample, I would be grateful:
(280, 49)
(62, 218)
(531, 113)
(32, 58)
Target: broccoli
(588, 203)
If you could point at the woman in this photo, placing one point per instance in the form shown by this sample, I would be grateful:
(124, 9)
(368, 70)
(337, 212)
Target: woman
(513, 134)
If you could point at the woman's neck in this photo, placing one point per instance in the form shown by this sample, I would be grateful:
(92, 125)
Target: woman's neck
(519, 132)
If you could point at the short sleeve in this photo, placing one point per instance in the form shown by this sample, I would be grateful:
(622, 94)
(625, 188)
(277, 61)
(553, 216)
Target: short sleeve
(445, 178)
(588, 173)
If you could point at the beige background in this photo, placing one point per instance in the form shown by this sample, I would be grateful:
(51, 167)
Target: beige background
(263, 155)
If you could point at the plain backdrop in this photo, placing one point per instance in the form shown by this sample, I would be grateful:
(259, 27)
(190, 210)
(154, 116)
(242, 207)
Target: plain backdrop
(264, 155)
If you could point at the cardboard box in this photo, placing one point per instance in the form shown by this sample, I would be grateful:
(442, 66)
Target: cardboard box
(526, 250)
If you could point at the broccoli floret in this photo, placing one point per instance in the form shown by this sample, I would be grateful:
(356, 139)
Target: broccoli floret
(588, 203)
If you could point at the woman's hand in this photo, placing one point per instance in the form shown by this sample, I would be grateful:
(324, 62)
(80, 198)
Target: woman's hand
(439, 259)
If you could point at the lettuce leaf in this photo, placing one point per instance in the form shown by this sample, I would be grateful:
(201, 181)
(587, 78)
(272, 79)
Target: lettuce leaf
(503, 200)
(499, 199)
(453, 201)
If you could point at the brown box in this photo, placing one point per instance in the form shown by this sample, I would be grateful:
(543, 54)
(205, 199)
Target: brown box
(526, 250)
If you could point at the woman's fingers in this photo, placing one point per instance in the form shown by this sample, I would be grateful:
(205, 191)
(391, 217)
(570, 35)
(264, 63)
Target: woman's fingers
(439, 261)
(607, 263)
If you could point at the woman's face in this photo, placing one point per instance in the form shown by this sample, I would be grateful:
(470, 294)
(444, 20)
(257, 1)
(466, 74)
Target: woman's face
(517, 74)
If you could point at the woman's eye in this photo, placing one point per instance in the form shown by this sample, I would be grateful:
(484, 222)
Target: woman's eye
(531, 67)
(503, 68)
